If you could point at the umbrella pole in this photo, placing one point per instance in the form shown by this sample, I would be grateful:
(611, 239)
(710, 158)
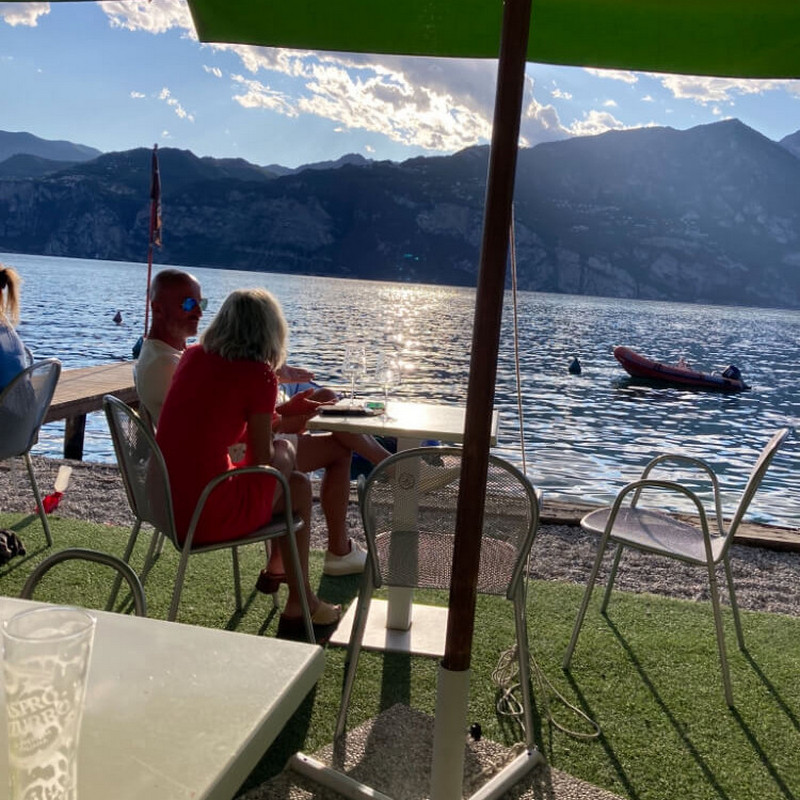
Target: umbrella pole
(448, 762)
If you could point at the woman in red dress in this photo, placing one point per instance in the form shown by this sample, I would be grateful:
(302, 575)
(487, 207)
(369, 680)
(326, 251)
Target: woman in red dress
(224, 392)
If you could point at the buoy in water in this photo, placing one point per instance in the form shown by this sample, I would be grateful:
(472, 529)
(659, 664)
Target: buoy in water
(575, 367)
(118, 317)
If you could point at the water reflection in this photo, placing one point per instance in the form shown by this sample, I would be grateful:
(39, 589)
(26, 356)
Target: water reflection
(584, 435)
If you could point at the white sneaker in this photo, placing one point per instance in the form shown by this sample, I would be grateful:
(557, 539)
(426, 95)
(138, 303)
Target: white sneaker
(351, 564)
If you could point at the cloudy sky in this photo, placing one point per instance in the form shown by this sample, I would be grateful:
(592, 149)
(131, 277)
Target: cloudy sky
(119, 75)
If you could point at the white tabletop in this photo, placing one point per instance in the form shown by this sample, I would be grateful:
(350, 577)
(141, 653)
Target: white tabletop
(178, 711)
(405, 421)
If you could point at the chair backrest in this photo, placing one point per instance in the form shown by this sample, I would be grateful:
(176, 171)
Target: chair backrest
(408, 506)
(23, 405)
(81, 554)
(142, 466)
(756, 475)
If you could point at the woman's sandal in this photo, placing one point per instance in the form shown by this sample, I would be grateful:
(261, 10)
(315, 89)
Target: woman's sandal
(324, 621)
(269, 583)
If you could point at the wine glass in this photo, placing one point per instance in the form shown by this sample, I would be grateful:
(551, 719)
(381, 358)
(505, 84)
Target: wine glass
(387, 373)
(354, 365)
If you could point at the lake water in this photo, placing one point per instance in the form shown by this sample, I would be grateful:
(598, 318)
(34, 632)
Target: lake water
(585, 436)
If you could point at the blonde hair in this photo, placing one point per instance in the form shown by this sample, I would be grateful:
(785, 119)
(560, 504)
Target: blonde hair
(249, 326)
(9, 294)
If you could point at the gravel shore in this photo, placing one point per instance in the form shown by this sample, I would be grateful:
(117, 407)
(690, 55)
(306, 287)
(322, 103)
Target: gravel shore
(766, 580)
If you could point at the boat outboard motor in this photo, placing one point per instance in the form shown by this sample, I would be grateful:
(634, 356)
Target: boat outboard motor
(732, 372)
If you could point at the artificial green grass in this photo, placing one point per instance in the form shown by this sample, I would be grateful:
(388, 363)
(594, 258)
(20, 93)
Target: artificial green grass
(648, 673)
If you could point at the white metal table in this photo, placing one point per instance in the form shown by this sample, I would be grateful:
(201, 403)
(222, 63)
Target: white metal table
(178, 711)
(399, 625)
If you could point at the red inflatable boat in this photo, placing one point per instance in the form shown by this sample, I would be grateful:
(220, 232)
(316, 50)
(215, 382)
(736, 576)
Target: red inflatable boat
(639, 366)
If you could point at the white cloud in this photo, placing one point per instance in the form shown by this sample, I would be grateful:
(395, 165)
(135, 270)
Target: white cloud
(443, 105)
(257, 95)
(595, 122)
(215, 71)
(707, 91)
(158, 17)
(137, 95)
(561, 95)
(23, 13)
(539, 123)
(647, 99)
(610, 104)
(167, 97)
(613, 74)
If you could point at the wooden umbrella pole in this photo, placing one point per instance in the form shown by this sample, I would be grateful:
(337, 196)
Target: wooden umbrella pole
(486, 332)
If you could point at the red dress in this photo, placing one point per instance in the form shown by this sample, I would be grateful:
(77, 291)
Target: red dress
(206, 410)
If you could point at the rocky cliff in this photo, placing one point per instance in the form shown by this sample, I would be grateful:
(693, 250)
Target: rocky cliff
(711, 214)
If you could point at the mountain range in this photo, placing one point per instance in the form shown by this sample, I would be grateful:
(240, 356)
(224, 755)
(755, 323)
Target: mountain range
(710, 214)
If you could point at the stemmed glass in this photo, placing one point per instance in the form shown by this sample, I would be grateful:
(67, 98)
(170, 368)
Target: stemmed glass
(387, 373)
(354, 365)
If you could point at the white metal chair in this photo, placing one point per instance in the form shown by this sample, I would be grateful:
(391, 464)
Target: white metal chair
(23, 406)
(408, 506)
(653, 531)
(81, 554)
(146, 480)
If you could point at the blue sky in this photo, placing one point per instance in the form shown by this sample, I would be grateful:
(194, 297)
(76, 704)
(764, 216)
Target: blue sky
(119, 75)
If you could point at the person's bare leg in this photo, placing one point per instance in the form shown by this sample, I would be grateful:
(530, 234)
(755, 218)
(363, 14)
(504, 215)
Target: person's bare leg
(326, 453)
(366, 446)
(283, 460)
(300, 489)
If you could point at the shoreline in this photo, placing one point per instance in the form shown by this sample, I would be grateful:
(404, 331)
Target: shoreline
(765, 579)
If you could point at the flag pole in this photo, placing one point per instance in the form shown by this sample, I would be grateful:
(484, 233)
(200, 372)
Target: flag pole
(155, 229)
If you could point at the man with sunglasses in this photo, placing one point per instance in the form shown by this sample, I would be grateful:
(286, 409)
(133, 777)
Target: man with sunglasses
(177, 306)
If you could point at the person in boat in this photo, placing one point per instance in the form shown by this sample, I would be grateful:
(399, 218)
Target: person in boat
(13, 355)
(177, 306)
(223, 387)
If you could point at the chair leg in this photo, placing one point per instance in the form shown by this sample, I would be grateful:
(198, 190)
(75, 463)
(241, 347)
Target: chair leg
(39, 506)
(126, 557)
(523, 654)
(176, 592)
(354, 649)
(237, 583)
(734, 605)
(611, 578)
(153, 553)
(723, 658)
(298, 571)
(587, 596)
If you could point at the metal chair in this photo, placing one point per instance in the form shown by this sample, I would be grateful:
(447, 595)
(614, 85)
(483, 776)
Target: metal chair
(23, 406)
(653, 531)
(146, 480)
(82, 554)
(408, 506)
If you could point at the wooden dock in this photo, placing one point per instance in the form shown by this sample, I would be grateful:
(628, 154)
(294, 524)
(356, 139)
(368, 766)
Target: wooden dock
(754, 534)
(80, 391)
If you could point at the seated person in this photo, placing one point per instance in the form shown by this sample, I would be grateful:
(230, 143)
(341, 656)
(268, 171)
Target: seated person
(223, 389)
(177, 306)
(13, 357)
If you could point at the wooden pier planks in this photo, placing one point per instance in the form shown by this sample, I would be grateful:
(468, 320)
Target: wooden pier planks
(80, 391)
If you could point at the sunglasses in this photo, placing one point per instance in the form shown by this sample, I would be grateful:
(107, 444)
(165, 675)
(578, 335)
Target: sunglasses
(190, 304)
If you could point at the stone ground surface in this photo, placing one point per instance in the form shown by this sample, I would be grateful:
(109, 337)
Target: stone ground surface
(766, 580)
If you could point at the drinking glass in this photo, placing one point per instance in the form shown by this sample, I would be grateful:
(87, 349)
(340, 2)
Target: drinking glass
(46, 653)
(387, 373)
(354, 365)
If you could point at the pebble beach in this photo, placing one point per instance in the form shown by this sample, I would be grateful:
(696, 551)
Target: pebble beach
(765, 579)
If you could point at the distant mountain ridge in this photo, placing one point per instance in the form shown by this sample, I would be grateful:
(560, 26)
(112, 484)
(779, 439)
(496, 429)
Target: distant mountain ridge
(711, 214)
(14, 143)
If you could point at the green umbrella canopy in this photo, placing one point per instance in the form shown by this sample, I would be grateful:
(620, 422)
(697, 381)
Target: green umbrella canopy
(746, 38)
